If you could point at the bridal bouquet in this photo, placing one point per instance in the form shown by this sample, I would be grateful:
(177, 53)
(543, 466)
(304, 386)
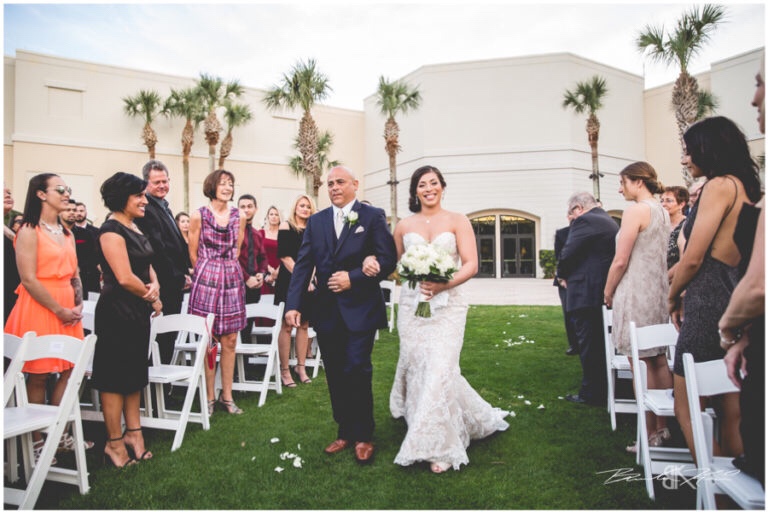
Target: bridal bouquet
(425, 263)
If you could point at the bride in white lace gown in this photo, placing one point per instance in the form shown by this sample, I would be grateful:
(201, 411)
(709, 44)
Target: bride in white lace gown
(442, 411)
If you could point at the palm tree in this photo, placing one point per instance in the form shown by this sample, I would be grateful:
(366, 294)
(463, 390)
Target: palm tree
(302, 87)
(186, 103)
(678, 47)
(215, 93)
(587, 97)
(145, 104)
(235, 114)
(394, 98)
(324, 143)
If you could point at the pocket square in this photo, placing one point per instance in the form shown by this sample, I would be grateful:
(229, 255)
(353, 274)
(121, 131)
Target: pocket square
(359, 229)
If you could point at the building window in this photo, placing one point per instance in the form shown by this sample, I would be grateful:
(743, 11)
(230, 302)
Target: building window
(485, 235)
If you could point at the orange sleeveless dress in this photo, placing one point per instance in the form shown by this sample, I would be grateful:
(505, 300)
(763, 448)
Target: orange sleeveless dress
(56, 266)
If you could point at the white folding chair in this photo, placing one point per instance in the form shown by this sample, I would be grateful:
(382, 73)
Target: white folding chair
(617, 366)
(11, 344)
(389, 301)
(24, 418)
(90, 411)
(658, 459)
(94, 296)
(259, 353)
(192, 377)
(315, 361)
(716, 475)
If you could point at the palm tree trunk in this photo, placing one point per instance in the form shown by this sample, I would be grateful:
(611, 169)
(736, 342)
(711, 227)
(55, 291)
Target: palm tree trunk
(185, 167)
(225, 149)
(393, 190)
(593, 134)
(685, 102)
(187, 139)
(150, 140)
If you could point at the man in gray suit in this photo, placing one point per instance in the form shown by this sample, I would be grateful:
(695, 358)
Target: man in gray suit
(584, 262)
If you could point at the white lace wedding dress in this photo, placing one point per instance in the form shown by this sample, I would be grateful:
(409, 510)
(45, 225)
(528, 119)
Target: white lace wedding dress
(442, 411)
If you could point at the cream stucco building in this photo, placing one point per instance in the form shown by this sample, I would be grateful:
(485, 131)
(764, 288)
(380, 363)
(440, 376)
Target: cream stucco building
(511, 155)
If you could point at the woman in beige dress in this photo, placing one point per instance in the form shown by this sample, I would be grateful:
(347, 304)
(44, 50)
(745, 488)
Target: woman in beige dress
(637, 279)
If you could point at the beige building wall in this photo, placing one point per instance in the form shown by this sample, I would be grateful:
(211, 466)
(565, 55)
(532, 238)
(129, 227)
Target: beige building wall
(496, 128)
(66, 116)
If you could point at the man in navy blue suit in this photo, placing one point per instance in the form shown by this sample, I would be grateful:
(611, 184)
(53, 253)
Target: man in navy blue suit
(347, 307)
(584, 263)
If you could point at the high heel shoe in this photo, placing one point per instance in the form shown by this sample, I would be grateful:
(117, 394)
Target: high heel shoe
(659, 437)
(289, 381)
(439, 467)
(230, 406)
(305, 379)
(37, 448)
(109, 461)
(144, 456)
(211, 406)
(67, 443)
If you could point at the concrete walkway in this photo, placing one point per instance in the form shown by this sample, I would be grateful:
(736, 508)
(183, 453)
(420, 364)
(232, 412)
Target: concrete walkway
(510, 292)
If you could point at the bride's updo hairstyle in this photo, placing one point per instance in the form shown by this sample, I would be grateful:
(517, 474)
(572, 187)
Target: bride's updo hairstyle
(413, 201)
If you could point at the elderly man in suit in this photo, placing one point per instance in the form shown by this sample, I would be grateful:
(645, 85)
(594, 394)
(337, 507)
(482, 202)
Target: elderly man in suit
(561, 235)
(583, 265)
(171, 260)
(348, 306)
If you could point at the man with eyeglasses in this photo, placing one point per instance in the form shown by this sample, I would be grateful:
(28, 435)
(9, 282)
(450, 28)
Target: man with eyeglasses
(583, 269)
(171, 259)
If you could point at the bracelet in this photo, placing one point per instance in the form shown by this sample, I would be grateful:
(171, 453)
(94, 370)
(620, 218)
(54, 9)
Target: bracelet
(725, 341)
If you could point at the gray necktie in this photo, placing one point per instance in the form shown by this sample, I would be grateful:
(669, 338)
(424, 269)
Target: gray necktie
(339, 222)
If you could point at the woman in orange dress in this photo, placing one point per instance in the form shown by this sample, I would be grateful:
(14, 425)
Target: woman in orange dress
(50, 294)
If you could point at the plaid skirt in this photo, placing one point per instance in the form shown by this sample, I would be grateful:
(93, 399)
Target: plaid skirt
(218, 287)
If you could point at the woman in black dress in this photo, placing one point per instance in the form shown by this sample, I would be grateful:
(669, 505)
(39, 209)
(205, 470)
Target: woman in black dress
(129, 296)
(288, 242)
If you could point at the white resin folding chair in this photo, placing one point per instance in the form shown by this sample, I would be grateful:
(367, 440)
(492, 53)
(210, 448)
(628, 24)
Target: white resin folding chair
(388, 289)
(90, 410)
(314, 360)
(94, 296)
(11, 344)
(655, 460)
(25, 418)
(193, 377)
(259, 353)
(617, 367)
(715, 475)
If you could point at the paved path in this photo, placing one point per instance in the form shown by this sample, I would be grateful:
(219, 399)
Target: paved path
(503, 292)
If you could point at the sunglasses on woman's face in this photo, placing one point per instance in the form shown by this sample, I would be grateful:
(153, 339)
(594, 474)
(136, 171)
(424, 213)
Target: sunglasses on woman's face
(61, 189)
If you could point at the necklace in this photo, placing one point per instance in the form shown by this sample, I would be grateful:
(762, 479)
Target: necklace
(58, 230)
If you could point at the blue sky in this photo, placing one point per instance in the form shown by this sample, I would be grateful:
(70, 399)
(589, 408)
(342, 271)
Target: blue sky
(355, 43)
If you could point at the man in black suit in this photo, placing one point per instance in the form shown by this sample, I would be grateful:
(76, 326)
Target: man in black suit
(561, 235)
(86, 244)
(584, 262)
(171, 260)
(348, 307)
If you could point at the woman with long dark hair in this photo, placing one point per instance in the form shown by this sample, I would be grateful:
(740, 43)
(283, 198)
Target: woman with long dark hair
(50, 297)
(715, 148)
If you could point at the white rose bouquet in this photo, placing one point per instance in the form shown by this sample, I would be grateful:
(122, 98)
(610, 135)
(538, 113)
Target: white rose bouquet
(424, 262)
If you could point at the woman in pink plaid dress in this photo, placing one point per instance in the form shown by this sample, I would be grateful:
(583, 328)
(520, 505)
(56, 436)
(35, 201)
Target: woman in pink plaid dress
(215, 234)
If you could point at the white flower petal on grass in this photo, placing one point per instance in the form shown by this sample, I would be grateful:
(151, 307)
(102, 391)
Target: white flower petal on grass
(512, 414)
(298, 446)
(527, 402)
(297, 462)
(559, 398)
(520, 396)
(278, 469)
(274, 440)
(253, 458)
(541, 406)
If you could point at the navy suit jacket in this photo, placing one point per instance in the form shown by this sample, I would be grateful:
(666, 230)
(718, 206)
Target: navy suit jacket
(361, 308)
(171, 260)
(561, 235)
(586, 258)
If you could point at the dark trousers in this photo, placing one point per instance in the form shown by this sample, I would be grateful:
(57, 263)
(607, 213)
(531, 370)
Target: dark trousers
(171, 295)
(588, 326)
(349, 372)
(573, 342)
(752, 400)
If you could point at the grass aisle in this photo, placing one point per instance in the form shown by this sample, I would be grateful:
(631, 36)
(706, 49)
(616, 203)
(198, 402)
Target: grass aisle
(550, 457)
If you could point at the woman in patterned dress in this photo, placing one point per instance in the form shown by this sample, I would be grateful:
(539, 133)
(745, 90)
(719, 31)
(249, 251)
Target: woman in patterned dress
(215, 234)
(637, 279)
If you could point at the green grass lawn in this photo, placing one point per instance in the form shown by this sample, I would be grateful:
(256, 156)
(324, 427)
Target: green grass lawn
(550, 458)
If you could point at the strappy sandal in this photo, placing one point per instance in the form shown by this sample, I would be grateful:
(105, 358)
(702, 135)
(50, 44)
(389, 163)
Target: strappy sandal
(230, 406)
(67, 443)
(37, 447)
(108, 461)
(287, 383)
(144, 456)
(305, 380)
(211, 406)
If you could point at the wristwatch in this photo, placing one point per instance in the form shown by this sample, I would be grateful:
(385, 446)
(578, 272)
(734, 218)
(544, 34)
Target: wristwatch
(726, 341)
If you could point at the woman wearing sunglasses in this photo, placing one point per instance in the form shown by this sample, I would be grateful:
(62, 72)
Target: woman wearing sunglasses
(50, 295)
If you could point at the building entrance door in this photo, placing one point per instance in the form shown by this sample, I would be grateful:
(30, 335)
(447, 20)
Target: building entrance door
(518, 247)
(485, 234)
